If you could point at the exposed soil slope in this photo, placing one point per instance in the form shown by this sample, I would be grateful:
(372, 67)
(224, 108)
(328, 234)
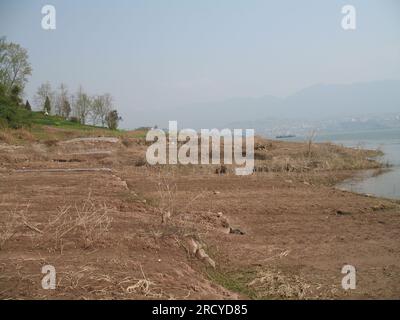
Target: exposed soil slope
(139, 232)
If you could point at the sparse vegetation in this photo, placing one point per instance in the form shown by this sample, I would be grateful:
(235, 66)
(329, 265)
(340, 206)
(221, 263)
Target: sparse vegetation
(140, 162)
(167, 198)
(235, 281)
(272, 284)
(323, 156)
(9, 226)
(157, 212)
(85, 224)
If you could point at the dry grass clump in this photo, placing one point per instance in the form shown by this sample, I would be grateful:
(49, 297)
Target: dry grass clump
(9, 227)
(298, 157)
(13, 136)
(261, 156)
(14, 154)
(129, 142)
(142, 286)
(140, 162)
(167, 198)
(334, 157)
(315, 157)
(36, 152)
(95, 283)
(24, 135)
(12, 223)
(50, 142)
(85, 225)
(269, 284)
(263, 145)
(6, 136)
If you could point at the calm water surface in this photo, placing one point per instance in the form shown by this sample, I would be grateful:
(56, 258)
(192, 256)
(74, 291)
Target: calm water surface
(385, 185)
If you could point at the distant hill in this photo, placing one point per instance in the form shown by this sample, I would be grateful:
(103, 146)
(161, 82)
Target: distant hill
(322, 101)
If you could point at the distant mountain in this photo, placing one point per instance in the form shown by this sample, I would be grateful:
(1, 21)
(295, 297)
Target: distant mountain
(322, 101)
(301, 127)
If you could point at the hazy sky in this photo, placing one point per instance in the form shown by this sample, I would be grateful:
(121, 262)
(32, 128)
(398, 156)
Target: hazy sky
(155, 54)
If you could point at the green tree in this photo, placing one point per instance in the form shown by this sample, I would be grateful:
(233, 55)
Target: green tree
(12, 115)
(43, 91)
(113, 119)
(15, 95)
(14, 65)
(47, 105)
(28, 106)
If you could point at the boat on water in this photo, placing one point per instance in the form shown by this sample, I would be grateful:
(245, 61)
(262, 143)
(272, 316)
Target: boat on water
(285, 136)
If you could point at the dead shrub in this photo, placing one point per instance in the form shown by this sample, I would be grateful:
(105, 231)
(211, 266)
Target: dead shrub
(127, 142)
(167, 193)
(10, 136)
(85, 225)
(271, 284)
(142, 286)
(90, 282)
(25, 135)
(261, 156)
(221, 169)
(9, 227)
(50, 142)
(140, 162)
(6, 136)
(36, 152)
(316, 157)
(12, 223)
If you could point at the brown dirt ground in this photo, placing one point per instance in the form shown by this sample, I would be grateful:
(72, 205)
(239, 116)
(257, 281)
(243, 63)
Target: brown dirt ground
(299, 231)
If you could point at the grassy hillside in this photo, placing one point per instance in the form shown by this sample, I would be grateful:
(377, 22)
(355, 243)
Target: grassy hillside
(39, 127)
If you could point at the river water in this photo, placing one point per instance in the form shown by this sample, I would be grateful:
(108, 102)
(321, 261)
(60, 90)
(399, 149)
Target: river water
(386, 184)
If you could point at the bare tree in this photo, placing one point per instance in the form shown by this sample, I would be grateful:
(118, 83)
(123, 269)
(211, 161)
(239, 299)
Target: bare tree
(42, 93)
(82, 106)
(62, 105)
(101, 107)
(14, 65)
(96, 106)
